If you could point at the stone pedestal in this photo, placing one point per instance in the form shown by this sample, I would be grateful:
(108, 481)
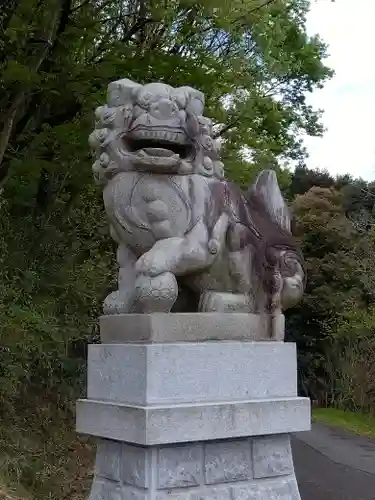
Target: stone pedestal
(197, 406)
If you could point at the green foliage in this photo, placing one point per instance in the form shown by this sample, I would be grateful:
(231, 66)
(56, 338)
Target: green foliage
(336, 279)
(304, 179)
(255, 63)
(351, 361)
(334, 324)
(256, 52)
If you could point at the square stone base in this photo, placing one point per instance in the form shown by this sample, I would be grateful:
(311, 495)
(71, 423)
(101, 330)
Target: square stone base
(192, 407)
(258, 468)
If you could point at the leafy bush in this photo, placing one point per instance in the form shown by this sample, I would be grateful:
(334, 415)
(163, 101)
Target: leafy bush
(351, 362)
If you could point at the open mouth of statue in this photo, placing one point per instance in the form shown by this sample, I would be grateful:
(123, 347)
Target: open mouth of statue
(159, 144)
(154, 147)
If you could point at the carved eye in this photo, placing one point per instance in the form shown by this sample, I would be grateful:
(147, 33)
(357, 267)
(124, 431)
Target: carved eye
(145, 99)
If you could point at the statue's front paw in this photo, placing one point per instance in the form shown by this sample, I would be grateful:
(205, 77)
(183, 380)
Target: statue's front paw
(155, 294)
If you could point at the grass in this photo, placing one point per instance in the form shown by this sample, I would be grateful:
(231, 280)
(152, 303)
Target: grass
(358, 423)
(42, 457)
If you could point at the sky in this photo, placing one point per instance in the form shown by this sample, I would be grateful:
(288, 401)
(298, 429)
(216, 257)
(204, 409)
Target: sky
(348, 99)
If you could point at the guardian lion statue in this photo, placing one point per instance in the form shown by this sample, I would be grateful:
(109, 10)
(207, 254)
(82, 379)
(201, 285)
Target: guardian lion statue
(188, 239)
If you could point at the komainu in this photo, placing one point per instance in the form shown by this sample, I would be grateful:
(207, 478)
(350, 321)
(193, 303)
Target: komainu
(188, 239)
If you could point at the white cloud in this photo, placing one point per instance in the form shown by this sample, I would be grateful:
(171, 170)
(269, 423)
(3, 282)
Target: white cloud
(348, 100)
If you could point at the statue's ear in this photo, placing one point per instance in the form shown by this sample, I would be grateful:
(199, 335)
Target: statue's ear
(267, 190)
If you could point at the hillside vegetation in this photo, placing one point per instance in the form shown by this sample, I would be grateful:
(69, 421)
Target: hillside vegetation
(56, 257)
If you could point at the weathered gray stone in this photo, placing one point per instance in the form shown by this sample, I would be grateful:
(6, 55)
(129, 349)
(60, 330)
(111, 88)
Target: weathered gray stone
(185, 327)
(108, 459)
(282, 489)
(111, 421)
(172, 495)
(272, 456)
(135, 465)
(178, 223)
(218, 493)
(179, 466)
(116, 374)
(102, 489)
(225, 450)
(129, 493)
(191, 372)
(195, 422)
(227, 461)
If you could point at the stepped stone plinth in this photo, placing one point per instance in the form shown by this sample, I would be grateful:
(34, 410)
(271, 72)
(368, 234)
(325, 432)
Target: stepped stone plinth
(195, 409)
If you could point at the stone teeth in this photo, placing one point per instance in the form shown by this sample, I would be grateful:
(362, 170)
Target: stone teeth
(164, 135)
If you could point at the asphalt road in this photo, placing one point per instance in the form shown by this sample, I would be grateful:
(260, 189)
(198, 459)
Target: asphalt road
(332, 464)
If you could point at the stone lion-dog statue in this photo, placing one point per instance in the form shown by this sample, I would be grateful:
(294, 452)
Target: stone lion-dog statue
(188, 239)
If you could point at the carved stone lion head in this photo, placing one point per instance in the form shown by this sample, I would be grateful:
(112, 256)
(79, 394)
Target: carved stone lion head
(154, 128)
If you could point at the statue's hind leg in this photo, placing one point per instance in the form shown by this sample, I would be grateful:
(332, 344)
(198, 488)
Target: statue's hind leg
(234, 272)
(120, 301)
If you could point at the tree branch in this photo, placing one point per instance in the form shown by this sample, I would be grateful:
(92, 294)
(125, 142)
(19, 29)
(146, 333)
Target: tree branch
(227, 127)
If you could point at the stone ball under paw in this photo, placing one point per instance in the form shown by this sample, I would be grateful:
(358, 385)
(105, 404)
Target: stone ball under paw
(156, 294)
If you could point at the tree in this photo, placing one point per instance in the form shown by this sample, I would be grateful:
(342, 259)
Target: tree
(304, 179)
(335, 257)
(256, 52)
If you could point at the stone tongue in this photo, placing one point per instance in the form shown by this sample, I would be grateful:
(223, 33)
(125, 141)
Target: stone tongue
(159, 152)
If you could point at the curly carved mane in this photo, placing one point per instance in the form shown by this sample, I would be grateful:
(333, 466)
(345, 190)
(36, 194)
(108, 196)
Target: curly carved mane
(253, 225)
